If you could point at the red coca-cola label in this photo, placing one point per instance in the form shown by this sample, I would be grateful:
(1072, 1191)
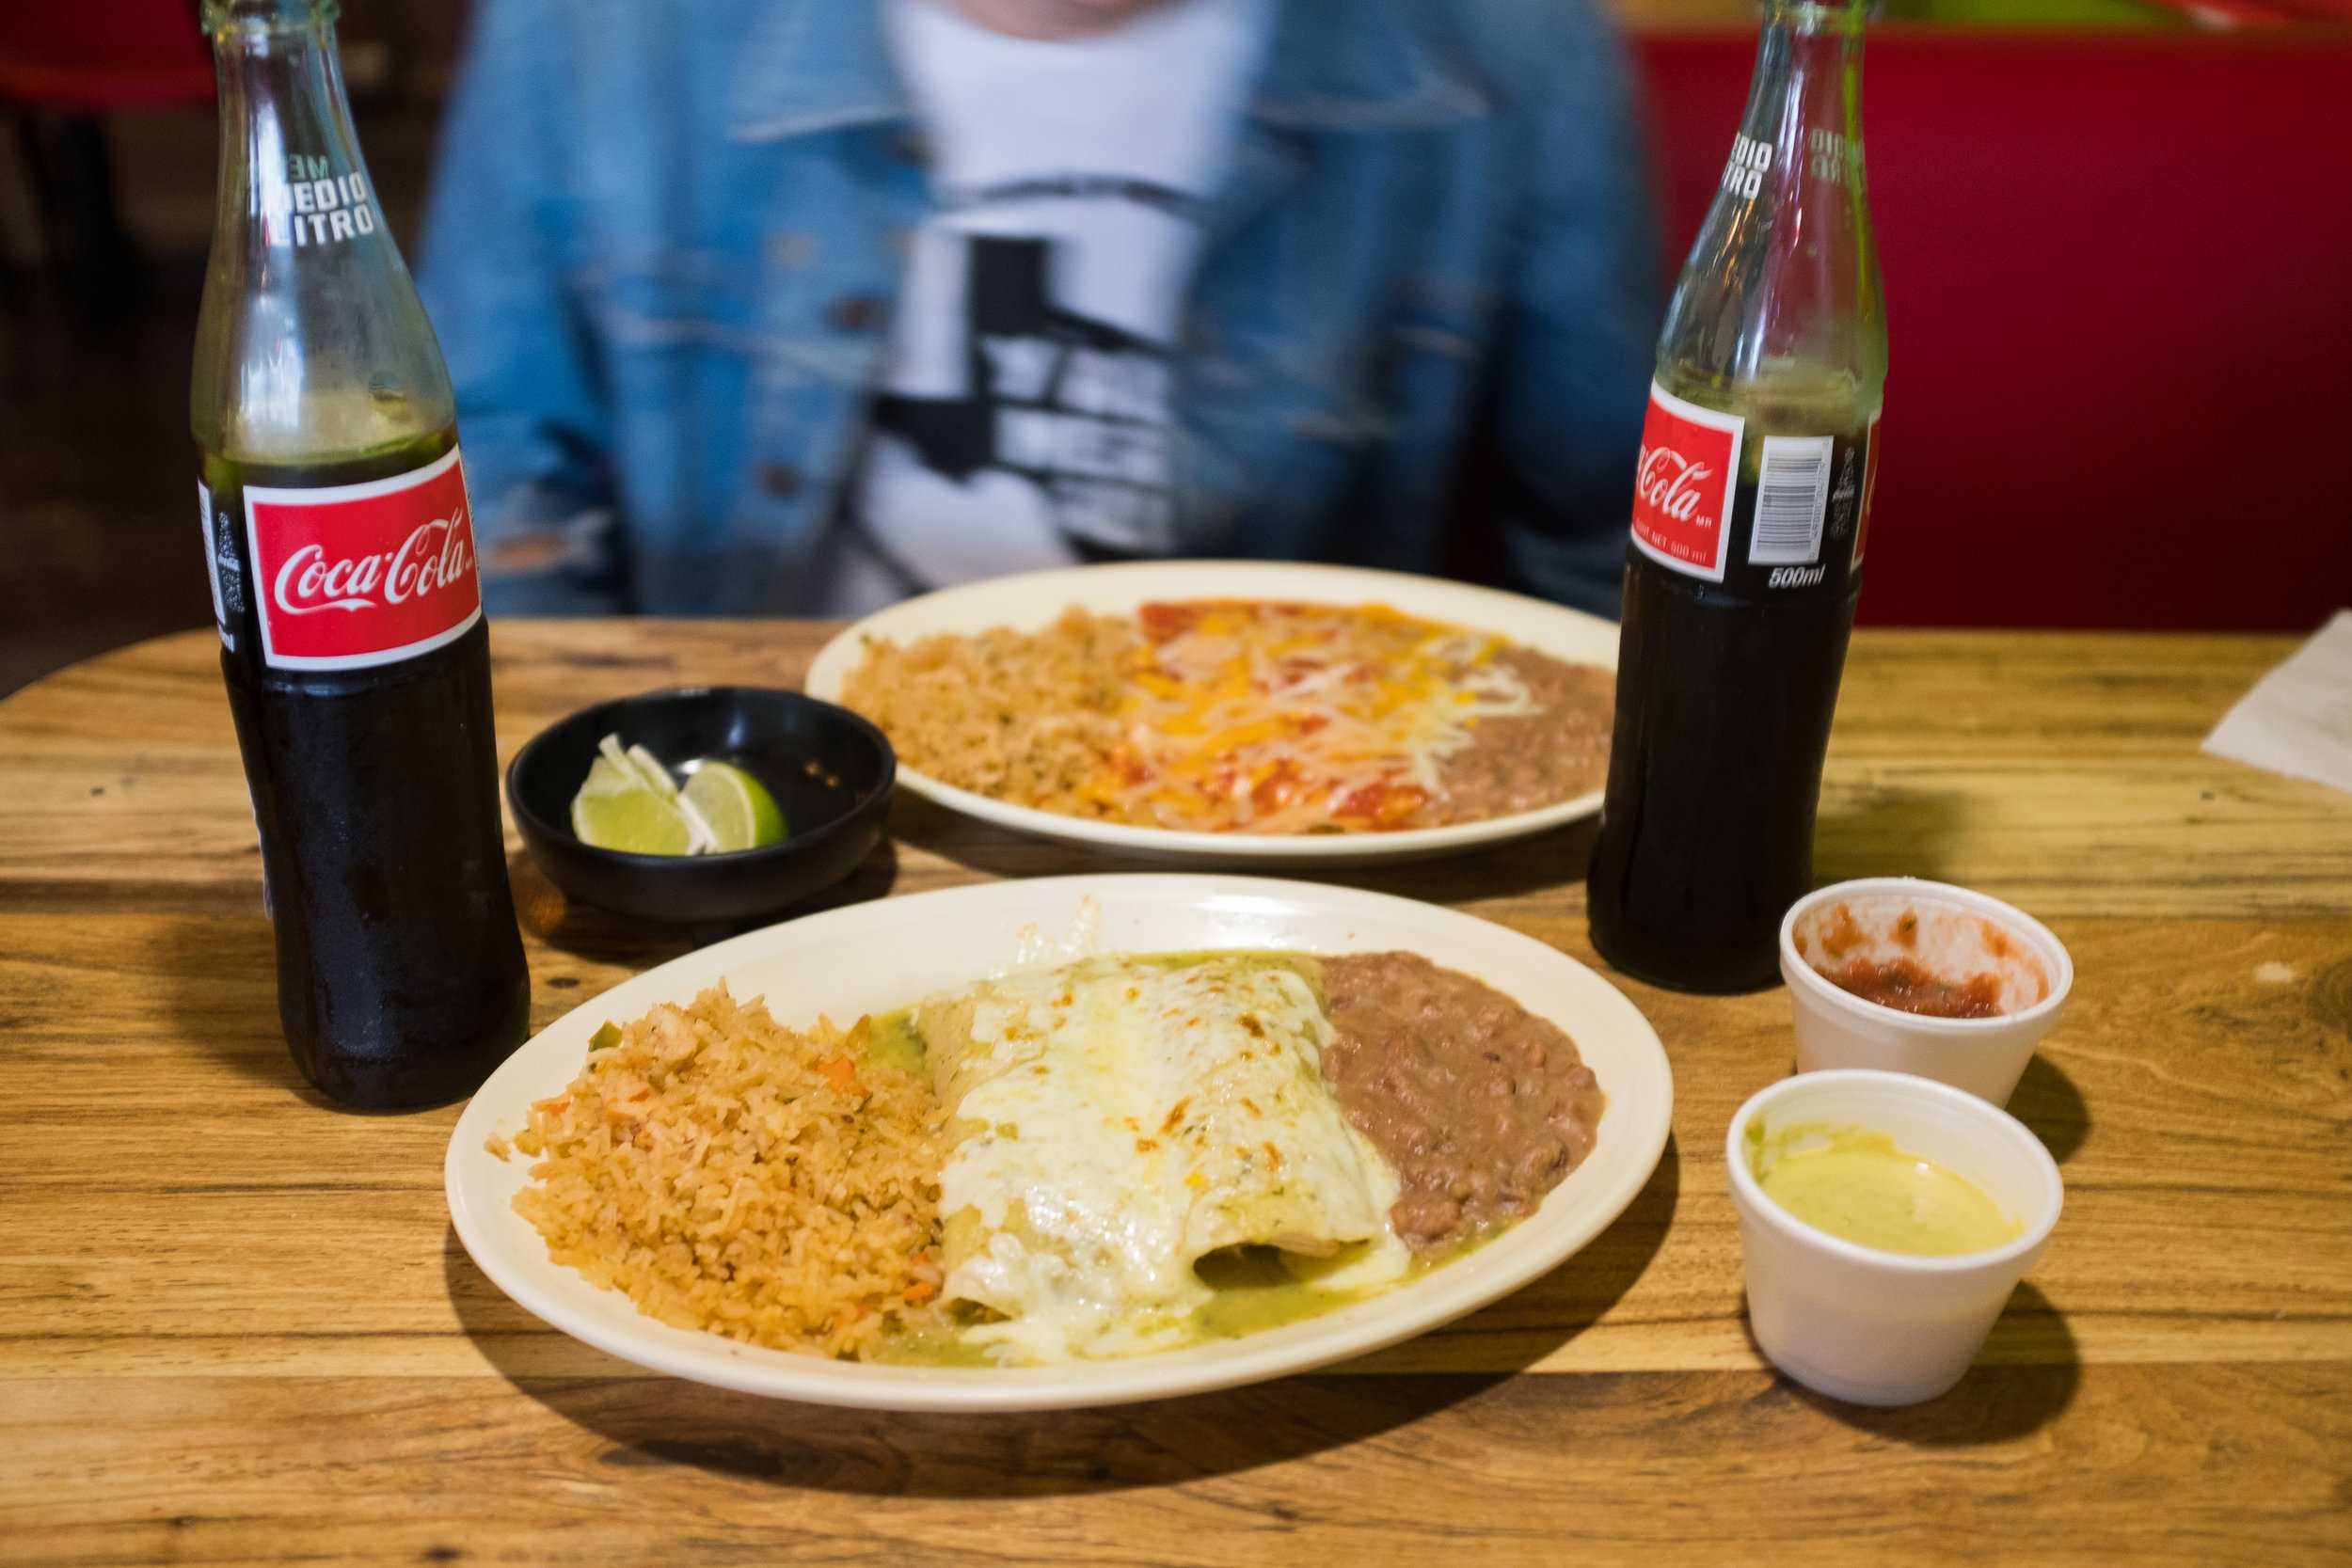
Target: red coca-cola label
(1684, 482)
(349, 576)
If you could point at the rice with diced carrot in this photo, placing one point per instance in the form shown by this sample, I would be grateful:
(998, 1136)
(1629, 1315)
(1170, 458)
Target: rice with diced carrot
(1021, 715)
(728, 1174)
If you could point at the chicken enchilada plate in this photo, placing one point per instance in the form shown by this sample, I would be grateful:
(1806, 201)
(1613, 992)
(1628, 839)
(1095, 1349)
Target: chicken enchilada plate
(1059, 1143)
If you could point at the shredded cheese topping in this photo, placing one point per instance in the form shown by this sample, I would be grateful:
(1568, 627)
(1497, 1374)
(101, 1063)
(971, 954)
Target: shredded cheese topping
(1258, 716)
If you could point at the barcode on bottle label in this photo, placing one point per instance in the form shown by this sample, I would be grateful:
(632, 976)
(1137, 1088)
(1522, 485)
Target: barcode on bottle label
(212, 561)
(1791, 494)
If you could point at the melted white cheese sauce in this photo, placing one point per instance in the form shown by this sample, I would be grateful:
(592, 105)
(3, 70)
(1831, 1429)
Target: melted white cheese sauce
(1138, 1116)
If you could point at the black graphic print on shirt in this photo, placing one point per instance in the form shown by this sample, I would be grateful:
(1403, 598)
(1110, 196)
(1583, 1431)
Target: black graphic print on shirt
(1075, 406)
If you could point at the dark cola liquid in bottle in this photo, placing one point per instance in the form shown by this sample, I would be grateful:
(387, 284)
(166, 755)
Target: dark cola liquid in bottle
(340, 540)
(1751, 507)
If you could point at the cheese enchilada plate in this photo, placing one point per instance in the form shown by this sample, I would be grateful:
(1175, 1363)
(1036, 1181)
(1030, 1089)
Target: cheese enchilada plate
(1239, 712)
(1059, 1142)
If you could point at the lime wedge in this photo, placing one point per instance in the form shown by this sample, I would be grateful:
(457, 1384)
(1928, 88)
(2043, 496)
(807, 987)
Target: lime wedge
(616, 809)
(738, 809)
(647, 764)
(649, 768)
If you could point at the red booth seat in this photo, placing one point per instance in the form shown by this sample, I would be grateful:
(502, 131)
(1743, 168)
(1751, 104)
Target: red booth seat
(2119, 280)
(91, 55)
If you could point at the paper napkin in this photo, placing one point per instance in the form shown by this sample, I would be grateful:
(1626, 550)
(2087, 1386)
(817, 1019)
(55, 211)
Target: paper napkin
(2297, 719)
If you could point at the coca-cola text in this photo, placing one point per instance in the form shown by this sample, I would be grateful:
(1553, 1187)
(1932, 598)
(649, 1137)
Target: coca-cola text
(1670, 481)
(1682, 484)
(434, 557)
(395, 558)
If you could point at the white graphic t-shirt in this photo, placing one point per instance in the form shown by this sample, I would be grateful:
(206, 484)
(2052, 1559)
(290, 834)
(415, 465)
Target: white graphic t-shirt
(1023, 421)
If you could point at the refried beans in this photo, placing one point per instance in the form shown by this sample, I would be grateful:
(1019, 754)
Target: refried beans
(1481, 1106)
(1523, 762)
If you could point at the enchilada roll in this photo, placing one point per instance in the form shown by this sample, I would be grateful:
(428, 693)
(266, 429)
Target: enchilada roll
(1112, 1122)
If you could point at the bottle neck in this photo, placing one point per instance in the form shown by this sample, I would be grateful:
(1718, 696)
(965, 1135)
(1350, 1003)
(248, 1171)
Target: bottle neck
(1806, 102)
(1782, 286)
(311, 346)
(290, 158)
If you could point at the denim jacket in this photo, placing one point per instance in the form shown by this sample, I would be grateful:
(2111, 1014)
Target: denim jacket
(666, 238)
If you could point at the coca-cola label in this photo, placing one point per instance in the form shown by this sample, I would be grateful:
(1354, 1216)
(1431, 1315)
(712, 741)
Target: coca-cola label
(1793, 529)
(349, 576)
(1683, 484)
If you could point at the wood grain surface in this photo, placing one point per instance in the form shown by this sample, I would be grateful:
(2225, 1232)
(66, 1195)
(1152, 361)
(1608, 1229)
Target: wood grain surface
(236, 1327)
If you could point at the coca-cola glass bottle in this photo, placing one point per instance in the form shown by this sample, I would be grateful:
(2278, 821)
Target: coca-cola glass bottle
(341, 546)
(1750, 508)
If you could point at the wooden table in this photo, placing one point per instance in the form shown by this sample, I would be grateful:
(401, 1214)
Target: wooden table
(235, 1326)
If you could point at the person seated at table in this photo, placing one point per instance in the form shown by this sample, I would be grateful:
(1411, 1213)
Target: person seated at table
(802, 305)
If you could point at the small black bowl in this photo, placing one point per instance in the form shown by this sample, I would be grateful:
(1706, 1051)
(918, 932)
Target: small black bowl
(830, 771)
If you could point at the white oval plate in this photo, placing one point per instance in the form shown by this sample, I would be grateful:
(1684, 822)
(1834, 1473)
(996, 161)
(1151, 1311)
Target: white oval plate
(1029, 602)
(869, 958)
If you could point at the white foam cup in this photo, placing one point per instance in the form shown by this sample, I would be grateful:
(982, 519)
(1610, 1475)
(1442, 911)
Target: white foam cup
(1859, 1324)
(1957, 932)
